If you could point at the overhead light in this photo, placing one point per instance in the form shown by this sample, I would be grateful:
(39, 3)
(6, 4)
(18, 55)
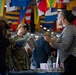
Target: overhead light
(52, 32)
(5, 6)
(44, 28)
(40, 25)
(28, 33)
(48, 30)
(32, 34)
(57, 35)
(59, 9)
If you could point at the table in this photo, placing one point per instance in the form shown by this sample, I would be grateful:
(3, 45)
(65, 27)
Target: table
(35, 73)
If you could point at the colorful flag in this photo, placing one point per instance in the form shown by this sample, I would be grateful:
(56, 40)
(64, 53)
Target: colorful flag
(39, 11)
(51, 3)
(60, 5)
(73, 3)
(48, 11)
(52, 16)
(36, 16)
(30, 44)
(42, 7)
(68, 7)
(9, 7)
(20, 3)
(28, 15)
(23, 4)
(62, 1)
(13, 17)
(2, 4)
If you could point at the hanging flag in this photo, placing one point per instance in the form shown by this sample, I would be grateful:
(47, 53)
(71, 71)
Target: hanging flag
(73, 3)
(42, 7)
(48, 11)
(30, 44)
(20, 3)
(28, 15)
(23, 4)
(54, 3)
(13, 17)
(62, 1)
(52, 16)
(51, 3)
(68, 7)
(9, 7)
(2, 4)
(39, 11)
(36, 16)
(60, 5)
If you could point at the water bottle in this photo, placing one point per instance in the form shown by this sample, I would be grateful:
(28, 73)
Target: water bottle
(49, 65)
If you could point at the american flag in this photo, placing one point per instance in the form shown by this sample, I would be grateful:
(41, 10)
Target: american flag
(28, 15)
(30, 44)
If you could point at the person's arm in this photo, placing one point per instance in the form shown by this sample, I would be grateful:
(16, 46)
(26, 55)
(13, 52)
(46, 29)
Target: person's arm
(66, 39)
(50, 40)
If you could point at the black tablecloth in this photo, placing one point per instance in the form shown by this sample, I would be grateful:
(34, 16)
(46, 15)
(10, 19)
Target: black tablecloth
(35, 73)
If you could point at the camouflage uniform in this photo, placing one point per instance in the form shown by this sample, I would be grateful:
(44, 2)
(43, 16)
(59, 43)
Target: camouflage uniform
(9, 62)
(20, 59)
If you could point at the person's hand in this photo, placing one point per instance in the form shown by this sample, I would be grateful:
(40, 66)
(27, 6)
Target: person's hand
(62, 65)
(53, 53)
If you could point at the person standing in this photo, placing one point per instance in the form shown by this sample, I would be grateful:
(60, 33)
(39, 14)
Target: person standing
(41, 52)
(4, 43)
(19, 56)
(66, 43)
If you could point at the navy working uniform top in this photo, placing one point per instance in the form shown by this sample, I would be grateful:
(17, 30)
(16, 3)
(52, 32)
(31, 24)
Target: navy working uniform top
(41, 52)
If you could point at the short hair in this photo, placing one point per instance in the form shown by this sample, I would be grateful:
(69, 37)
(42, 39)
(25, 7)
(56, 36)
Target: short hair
(68, 15)
(23, 25)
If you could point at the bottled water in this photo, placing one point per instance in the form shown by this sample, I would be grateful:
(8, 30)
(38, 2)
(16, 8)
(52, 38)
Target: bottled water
(49, 65)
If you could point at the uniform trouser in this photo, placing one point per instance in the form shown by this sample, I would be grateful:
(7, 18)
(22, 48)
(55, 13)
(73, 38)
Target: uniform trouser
(2, 64)
(3, 71)
(70, 65)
